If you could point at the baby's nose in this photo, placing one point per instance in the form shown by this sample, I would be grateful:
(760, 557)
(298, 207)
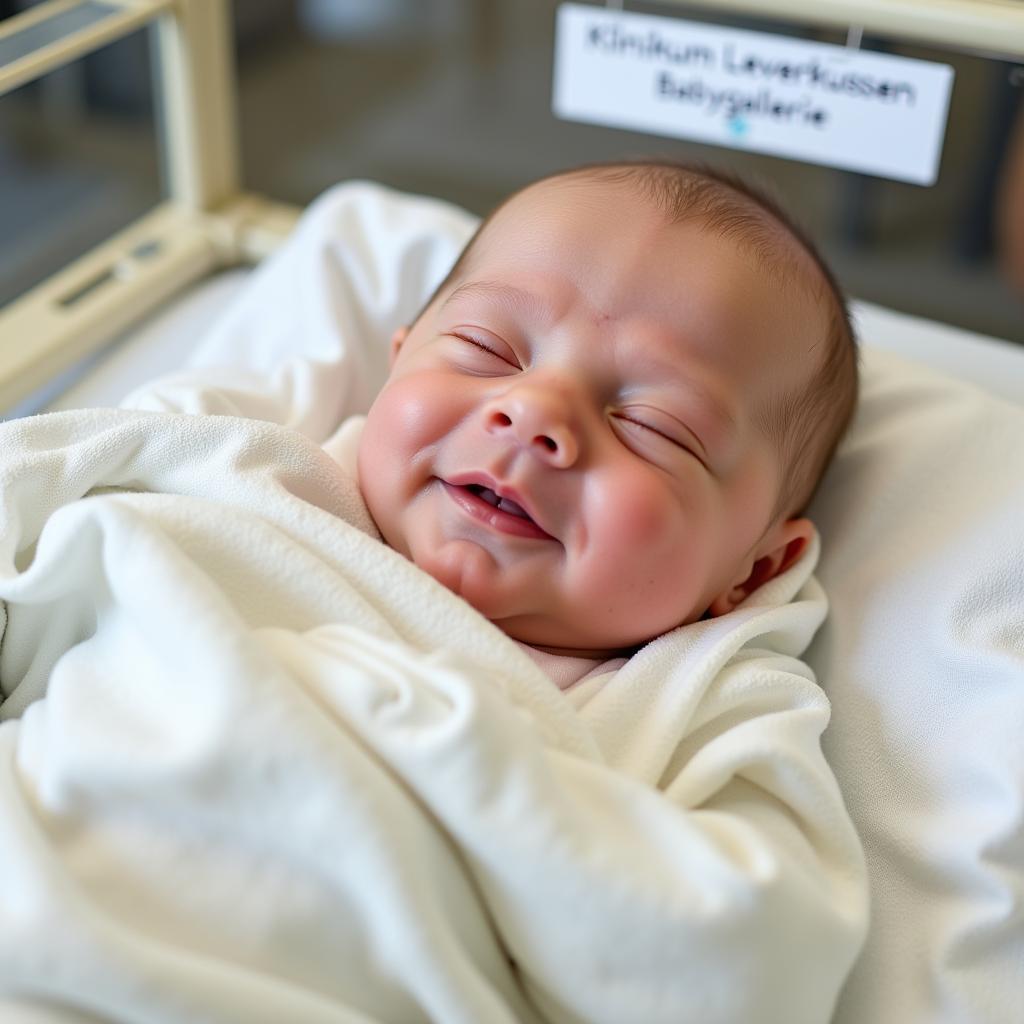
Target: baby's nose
(539, 421)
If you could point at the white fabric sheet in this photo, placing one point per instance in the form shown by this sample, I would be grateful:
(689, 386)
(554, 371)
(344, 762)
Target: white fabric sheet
(923, 653)
(280, 774)
(922, 520)
(307, 344)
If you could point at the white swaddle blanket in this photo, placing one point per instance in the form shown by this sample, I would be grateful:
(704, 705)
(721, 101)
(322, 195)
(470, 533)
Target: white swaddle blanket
(279, 774)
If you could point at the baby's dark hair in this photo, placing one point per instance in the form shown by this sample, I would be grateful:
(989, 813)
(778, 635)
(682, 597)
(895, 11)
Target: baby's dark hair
(806, 426)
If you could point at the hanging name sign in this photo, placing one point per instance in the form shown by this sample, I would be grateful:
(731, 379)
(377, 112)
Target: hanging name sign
(823, 104)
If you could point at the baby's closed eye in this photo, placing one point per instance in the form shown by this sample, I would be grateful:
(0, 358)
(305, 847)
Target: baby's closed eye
(649, 429)
(486, 344)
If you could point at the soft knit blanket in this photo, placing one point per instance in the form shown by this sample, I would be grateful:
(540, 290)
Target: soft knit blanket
(257, 767)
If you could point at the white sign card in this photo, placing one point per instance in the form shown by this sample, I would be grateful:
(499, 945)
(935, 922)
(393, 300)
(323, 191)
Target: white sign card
(824, 104)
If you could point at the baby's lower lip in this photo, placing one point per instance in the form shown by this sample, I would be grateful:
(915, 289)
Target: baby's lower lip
(484, 512)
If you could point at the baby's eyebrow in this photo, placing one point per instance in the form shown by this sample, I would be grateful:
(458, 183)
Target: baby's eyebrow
(513, 298)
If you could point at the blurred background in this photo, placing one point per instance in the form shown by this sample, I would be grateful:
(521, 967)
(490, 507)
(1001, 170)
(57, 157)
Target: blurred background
(453, 98)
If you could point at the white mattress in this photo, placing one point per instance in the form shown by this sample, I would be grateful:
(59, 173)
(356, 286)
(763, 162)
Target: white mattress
(994, 364)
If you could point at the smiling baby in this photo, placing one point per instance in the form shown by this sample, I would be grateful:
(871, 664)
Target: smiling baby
(609, 417)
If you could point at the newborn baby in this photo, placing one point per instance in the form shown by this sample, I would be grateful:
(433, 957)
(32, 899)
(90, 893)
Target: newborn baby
(259, 760)
(608, 418)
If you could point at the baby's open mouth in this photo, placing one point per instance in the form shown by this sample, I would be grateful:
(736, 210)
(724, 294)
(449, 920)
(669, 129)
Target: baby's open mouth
(486, 505)
(503, 503)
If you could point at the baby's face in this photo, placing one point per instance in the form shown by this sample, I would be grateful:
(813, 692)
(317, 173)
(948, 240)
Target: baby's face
(568, 436)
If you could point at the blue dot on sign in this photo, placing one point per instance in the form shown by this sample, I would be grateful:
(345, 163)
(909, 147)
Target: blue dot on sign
(738, 126)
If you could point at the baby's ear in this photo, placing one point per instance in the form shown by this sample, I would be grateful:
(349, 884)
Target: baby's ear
(779, 550)
(397, 340)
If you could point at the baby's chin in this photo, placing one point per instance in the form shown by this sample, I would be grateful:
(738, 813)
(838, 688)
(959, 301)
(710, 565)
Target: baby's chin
(465, 569)
(469, 571)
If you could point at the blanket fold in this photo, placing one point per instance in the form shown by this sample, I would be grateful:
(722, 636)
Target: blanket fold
(256, 766)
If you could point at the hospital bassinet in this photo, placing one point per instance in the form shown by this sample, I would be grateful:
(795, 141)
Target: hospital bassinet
(923, 656)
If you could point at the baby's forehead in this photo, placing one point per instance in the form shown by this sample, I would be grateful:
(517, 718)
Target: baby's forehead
(772, 246)
(699, 300)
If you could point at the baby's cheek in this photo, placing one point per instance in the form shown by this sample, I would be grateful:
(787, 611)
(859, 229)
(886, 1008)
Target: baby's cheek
(412, 410)
(645, 533)
(398, 427)
(635, 510)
